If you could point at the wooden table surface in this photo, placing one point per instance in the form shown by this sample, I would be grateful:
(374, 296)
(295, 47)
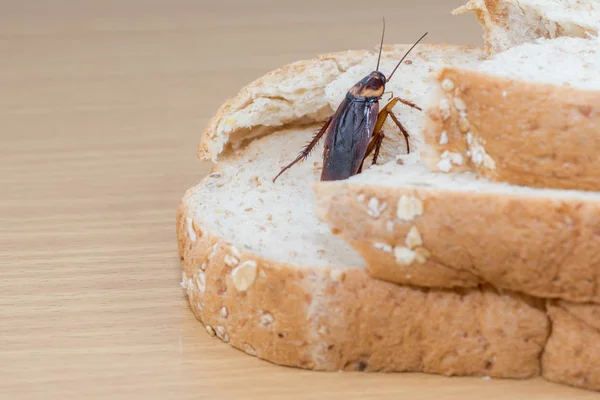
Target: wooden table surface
(101, 108)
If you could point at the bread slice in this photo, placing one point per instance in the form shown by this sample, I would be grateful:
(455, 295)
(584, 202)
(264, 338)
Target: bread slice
(265, 276)
(572, 355)
(417, 227)
(528, 116)
(309, 91)
(508, 23)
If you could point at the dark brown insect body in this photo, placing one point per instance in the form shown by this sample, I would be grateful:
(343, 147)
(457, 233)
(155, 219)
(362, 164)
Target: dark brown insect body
(354, 131)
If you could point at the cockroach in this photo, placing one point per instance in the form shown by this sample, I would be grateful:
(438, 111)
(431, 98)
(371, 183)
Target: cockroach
(354, 131)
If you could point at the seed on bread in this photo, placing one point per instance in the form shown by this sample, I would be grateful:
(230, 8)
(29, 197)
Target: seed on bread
(200, 279)
(224, 312)
(210, 330)
(404, 255)
(190, 228)
(445, 108)
(336, 275)
(235, 252)
(463, 124)
(375, 208)
(413, 238)
(247, 347)
(244, 275)
(222, 334)
(443, 138)
(266, 319)
(409, 207)
(459, 104)
(383, 246)
(422, 254)
(447, 85)
(230, 260)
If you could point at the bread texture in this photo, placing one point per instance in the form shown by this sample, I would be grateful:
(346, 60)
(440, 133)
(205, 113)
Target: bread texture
(467, 258)
(519, 119)
(304, 307)
(455, 230)
(572, 355)
(308, 92)
(508, 23)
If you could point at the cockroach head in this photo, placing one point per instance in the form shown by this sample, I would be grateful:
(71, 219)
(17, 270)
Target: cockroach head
(371, 86)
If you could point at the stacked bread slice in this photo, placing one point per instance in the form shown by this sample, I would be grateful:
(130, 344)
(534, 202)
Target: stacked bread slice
(424, 262)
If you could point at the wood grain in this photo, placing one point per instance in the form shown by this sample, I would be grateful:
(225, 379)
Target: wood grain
(101, 108)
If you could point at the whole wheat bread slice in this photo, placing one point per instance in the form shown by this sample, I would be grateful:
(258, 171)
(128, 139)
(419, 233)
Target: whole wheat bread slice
(508, 23)
(417, 227)
(265, 276)
(528, 116)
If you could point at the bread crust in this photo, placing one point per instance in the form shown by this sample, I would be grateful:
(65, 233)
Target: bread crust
(499, 20)
(342, 319)
(225, 127)
(524, 133)
(537, 246)
(572, 354)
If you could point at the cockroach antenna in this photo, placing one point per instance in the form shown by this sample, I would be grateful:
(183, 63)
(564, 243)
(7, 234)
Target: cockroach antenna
(409, 50)
(381, 45)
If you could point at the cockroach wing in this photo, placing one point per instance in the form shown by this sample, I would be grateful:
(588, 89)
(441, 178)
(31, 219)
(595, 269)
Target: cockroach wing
(348, 137)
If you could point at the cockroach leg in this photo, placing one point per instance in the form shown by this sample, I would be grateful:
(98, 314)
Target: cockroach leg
(391, 94)
(374, 145)
(308, 148)
(403, 129)
(378, 147)
(409, 103)
(387, 110)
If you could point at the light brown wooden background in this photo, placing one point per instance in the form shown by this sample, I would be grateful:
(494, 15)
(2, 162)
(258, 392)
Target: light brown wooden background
(101, 107)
